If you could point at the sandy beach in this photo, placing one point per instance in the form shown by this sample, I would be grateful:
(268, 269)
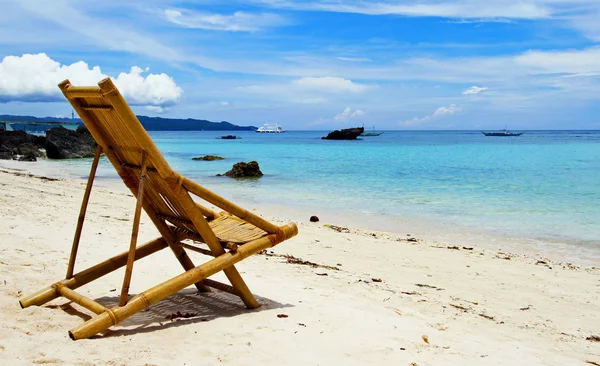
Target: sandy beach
(350, 296)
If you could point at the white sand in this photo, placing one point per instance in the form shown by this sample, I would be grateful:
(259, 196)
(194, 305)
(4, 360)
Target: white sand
(483, 307)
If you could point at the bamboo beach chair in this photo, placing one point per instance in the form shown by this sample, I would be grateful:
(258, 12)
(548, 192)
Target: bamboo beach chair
(166, 197)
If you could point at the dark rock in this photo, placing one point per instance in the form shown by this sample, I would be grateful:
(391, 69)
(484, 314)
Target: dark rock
(13, 143)
(29, 148)
(39, 140)
(29, 156)
(314, 219)
(12, 139)
(82, 129)
(6, 155)
(345, 134)
(208, 158)
(66, 144)
(241, 169)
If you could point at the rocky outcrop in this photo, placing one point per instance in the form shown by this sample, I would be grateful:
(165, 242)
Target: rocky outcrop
(67, 144)
(208, 158)
(241, 170)
(345, 134)
(19, 145)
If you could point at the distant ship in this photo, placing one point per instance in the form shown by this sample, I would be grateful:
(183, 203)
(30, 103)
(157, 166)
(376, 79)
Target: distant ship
(504, 132)
(267, 128)
(373, 133)
(229, 137)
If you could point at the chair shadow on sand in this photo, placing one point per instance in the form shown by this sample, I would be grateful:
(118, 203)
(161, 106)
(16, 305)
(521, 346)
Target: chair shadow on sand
(192, 306)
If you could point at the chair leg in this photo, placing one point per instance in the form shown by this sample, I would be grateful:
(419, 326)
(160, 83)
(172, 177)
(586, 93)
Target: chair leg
(238, 283)
(134, 233)
(213, 243)
(82, 211)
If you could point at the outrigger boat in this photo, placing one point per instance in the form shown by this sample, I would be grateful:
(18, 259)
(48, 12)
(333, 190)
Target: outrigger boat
(504, 132)
(373, 133)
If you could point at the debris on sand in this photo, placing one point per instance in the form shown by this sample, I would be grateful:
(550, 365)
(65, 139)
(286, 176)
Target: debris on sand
(294, 260)
(339, 229)
(428, 286)
(486, 316)
(179, 315)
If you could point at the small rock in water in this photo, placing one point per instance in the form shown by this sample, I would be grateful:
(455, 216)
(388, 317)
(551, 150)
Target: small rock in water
(208, 158)
(314, 219)
(241, 169)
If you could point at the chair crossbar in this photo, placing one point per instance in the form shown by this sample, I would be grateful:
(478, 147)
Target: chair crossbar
(221, 286)
(137, 167)
(77, 298)
(197, 250)
(98, 108)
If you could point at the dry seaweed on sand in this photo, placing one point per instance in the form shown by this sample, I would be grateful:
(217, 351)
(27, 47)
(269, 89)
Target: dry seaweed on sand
(486, 316)
(179, 315)
(295, 260)
(459, 307)
(410, 293)
(428, 286)
(20, 174)
(339, 229)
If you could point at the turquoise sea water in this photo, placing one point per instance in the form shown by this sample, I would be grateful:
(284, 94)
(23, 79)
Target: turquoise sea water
(540, 191)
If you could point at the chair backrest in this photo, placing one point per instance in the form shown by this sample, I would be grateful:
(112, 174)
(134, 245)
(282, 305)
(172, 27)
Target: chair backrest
(124, 140)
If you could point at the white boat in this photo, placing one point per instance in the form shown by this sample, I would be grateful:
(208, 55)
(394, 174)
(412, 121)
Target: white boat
(267, 128)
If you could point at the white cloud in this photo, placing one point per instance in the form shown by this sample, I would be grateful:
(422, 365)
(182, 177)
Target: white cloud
(329, 84)
(474, 90)
(442, 111)
(439, 112)
(34, 78)
(570, 61)
(355, 59)
(312, 101)
(156, 109)
(154, 89)
(581, 15)
(348, 114)
(307, 90)
(525, 9)
(112, 35)
(236, 22)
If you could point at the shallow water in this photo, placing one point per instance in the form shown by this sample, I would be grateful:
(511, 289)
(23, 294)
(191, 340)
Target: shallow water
(539, 191)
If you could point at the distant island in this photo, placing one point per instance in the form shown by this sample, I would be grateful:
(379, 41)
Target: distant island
(149, 123)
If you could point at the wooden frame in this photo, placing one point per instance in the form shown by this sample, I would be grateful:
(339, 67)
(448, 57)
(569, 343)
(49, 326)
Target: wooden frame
(166, 197)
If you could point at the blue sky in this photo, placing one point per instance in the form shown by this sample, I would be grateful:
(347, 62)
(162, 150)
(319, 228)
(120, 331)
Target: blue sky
(315, 64)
